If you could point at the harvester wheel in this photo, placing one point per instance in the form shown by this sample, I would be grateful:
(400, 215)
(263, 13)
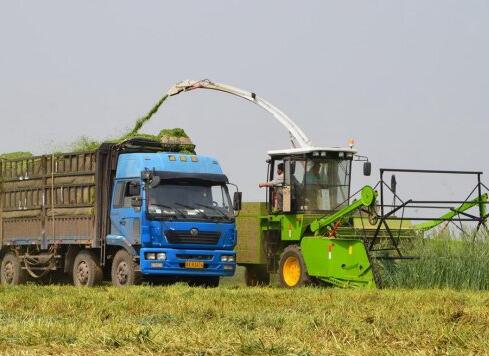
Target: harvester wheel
(292, 268)
(86, 270)
(257, 275)
(11, 270)
(124, 270)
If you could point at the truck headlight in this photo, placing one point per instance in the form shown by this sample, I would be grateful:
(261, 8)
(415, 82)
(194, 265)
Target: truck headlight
(227, 258)
(151, 256)
(161, 256)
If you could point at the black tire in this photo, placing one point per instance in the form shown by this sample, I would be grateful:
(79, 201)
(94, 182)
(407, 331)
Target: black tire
(86, 270)
(292, 271)
(206, 282)
(11, 272)
(124, 270)
(257, 275)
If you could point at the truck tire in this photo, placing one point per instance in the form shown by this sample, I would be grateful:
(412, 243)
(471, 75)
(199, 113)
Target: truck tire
(124, 270)
(86, 270)
(11, 270)
(257, 275)
(292, 272)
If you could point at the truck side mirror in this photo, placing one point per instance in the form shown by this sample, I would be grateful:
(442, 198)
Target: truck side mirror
(367, 168)
(136, 201)
(238, 196)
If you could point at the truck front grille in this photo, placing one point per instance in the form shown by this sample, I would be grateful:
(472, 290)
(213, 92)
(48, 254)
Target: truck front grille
(195, 257)
(185, 237)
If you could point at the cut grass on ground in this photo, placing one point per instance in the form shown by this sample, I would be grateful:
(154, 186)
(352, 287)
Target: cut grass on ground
(237, 320)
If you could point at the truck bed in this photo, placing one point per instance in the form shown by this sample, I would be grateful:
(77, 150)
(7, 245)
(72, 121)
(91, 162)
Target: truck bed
(53, 199)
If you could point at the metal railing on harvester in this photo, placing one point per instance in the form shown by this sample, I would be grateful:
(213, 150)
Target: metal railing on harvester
(457, 214)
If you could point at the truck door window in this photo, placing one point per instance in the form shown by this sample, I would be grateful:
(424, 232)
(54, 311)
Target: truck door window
(124, 191)
(133, 189)
(119, 195)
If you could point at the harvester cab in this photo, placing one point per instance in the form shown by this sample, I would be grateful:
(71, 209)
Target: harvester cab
(316, 180)
(304, 213)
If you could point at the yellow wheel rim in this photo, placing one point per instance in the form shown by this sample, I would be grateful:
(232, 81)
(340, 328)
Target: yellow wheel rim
(291, 271)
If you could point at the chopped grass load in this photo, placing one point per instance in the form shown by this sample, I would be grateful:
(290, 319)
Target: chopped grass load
(85, 143)
(16, 155)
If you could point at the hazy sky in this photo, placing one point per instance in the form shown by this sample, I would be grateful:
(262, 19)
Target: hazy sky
(408, 80)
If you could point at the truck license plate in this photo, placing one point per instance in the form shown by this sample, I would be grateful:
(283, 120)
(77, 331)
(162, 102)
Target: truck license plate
(194, 264)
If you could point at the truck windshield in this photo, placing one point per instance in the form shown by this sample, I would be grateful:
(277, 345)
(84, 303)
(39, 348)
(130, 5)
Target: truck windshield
(321, 184)
(190, 202)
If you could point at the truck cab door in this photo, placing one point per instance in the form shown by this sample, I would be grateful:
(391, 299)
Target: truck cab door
(125, 218)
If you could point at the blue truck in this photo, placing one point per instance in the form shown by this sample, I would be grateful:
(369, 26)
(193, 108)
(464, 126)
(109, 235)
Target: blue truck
(131, 211)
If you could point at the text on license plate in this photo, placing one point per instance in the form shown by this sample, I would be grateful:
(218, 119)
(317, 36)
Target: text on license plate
(194, 264)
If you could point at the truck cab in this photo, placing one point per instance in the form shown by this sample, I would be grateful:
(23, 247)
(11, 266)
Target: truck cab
(173, 213)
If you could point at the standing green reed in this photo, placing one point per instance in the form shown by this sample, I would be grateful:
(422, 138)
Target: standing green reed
(442, 261)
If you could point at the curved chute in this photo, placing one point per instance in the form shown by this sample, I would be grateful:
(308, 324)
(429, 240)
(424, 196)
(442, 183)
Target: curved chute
(298, 137)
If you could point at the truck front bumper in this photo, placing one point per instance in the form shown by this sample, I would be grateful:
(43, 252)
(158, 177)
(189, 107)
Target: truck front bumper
(177, 262)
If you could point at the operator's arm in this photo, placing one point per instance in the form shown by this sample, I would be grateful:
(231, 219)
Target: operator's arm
(278, 181)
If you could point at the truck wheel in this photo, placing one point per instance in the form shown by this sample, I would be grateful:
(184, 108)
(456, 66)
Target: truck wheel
(86, 270)
(292, 269)
(256, 275)
(12, 273)
(124, 272)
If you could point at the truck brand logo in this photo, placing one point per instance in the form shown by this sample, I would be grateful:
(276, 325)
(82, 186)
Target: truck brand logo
(194, 232)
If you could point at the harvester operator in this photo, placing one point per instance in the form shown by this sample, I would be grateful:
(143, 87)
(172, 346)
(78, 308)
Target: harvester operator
(276, 184)
(315, 179)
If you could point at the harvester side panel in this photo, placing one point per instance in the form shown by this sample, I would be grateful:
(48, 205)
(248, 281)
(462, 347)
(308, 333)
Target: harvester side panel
(341, 262)
(250, 241)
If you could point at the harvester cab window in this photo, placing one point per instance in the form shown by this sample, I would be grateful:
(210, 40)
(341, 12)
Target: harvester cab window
(316, 189)
(297, 173)
(326, 184)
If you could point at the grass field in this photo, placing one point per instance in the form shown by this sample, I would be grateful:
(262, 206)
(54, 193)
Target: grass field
(449, 316)
(237, 320)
